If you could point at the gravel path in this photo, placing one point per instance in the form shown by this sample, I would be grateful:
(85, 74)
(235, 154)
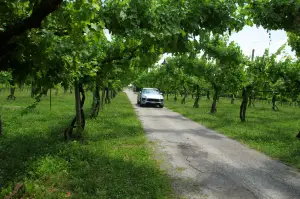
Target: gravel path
(205, 164)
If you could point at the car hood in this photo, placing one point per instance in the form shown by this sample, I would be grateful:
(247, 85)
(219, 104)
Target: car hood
(153, 96)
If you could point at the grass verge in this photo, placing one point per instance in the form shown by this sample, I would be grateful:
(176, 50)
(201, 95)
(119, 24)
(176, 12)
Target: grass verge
(273, 133)
(115, 163)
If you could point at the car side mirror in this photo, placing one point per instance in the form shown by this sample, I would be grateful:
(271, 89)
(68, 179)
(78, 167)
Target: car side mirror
(161, 93)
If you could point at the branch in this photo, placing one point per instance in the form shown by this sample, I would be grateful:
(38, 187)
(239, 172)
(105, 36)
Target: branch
(119, 57)
(41, 10)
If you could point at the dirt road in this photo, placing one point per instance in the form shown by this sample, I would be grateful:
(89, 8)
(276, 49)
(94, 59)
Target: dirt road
(205, 164)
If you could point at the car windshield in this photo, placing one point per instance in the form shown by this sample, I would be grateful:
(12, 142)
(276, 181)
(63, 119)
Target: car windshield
(150, 91)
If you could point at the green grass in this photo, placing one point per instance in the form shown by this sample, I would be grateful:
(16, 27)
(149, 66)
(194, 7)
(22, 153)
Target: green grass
(273, 133)
(116, 162)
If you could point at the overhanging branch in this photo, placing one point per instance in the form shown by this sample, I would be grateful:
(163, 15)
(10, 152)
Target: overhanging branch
(41, 10)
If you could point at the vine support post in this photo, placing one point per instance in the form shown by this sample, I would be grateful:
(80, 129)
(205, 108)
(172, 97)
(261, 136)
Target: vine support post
(252, 56)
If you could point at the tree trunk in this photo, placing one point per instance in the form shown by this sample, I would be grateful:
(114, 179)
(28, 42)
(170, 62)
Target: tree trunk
(12, 91)
(12, 94)
(274, 107)
(77, 106)
(1, 132)
(251, 100)
(232, 99)
(196, 104)
(94, 99)
(208, 95)
(107, 96)
(214, 104)
(102, 97)
(243, 107)
(50, 99)
(184, 95)
(175, 97)
(79, 120)
(96, 102)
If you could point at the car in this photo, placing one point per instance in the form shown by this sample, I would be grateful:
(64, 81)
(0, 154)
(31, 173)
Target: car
(150, 96)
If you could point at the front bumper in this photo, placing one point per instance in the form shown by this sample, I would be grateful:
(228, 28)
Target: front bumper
(152, 101)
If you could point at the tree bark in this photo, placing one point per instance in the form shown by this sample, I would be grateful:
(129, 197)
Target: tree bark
(243, 107)
(50, 99)
(232, 99)
(12, 91)
(1, 132)
(251, 100)
(184, 95)
(274, 106)
(103, 97)
(96, 102)
(214, 104)
(77, 104)
(79, 120)
(196, 104)
(208, 95)
(107, 96)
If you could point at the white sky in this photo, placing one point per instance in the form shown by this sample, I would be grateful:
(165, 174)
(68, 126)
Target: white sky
(254, 38)
(257, 38)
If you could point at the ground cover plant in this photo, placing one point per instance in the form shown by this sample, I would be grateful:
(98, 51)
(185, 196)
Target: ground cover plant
(272, 132)
(113, 162)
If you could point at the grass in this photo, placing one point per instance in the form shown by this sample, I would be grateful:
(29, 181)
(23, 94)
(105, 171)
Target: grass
(273, 133)
(116, 162)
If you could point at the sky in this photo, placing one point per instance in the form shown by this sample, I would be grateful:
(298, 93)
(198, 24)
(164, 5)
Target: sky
(254, 38)
(257, 38)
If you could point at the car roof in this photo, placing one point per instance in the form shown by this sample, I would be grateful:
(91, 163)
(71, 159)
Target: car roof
(150, 88)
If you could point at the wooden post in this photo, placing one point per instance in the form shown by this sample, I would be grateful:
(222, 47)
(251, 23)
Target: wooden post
(252, 57)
